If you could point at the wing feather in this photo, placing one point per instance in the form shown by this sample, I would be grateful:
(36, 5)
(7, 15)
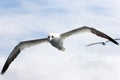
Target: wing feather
(18, 49)
(88, 29)
(75, 31)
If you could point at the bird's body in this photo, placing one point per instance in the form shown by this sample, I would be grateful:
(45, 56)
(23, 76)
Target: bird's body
(54, 39)
(57, 43)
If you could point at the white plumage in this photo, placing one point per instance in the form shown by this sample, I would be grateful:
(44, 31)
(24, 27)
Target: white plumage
(54, 39)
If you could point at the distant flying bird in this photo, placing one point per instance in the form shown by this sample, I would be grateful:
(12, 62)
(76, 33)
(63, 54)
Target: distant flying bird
(103, 43)
(55, 40)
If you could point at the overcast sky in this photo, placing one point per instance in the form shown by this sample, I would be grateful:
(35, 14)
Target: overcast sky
(22, 20)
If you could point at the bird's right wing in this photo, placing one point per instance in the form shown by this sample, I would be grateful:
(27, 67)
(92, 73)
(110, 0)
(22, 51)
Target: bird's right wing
(18, 49)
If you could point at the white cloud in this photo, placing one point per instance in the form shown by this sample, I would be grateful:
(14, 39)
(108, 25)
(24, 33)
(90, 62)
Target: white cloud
(34, 19)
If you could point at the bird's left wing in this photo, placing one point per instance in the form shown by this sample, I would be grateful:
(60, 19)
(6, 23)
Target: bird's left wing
(75, 31)
(18, 49)
(87, 29)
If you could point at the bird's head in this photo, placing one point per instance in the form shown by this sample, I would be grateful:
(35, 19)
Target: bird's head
(53, 36)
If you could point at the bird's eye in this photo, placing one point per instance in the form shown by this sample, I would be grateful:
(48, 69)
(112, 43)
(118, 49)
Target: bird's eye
(48, 36)
(52, 36)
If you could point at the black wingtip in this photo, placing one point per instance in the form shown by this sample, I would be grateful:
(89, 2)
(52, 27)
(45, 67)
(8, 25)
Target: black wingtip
(114, 41)
(2, 73)
(9, 60)
(117, 43)
(99, 33)
(5, 68)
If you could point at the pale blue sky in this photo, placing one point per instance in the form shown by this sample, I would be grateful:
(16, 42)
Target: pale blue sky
(31, 19)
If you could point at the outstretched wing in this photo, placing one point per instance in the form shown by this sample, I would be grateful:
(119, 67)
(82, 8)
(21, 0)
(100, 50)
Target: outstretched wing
(87, 29)
(18, 49)
(103, 43)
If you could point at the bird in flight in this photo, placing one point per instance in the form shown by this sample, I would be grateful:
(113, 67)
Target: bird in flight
(55, 40)
(103, 43)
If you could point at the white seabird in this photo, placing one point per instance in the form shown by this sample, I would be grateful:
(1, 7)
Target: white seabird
(55, 40)
(103, 43)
